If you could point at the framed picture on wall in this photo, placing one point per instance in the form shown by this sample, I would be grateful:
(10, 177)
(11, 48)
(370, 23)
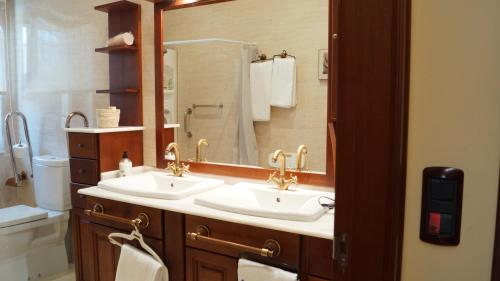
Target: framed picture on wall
(323, 64)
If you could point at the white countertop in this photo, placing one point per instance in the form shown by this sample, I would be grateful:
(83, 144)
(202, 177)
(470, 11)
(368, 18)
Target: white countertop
(103, 130)
(169, 126)
(321, 228)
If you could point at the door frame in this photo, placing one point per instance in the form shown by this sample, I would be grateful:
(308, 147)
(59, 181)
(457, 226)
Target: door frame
(372, 129)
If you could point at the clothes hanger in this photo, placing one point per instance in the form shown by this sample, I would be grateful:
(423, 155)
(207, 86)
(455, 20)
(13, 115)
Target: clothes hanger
(134, 235)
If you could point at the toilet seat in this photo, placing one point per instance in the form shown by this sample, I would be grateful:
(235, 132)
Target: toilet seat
(21, 217)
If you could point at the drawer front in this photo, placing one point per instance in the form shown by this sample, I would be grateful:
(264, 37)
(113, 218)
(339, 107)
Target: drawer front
(77, 200)
(127, 211)
(246, 235)
(84, 171)
(83, 145)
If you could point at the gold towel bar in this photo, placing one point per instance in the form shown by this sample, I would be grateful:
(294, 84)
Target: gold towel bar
(142, 220)
(271, 247)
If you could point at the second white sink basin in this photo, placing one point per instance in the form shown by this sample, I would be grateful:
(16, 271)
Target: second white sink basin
(265, 201)
(160, 185)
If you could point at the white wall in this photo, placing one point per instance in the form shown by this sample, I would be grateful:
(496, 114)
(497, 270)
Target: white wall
(454, 121)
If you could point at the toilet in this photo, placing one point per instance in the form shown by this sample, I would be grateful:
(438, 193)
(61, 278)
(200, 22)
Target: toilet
(32, 240)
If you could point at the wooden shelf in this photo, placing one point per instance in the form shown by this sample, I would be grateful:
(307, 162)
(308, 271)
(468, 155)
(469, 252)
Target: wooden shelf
(117, 6)
(118, 91)
(116, 49)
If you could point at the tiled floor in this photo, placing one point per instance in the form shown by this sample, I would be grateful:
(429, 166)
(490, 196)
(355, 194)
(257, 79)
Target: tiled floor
(68, 276)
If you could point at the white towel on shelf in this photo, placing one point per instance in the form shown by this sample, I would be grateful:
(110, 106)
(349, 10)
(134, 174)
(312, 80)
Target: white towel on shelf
(284, 83)
(260, 90)
(135, 265)
(252, 271)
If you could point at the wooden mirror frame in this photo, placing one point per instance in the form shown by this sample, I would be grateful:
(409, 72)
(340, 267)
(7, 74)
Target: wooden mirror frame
(163, 138)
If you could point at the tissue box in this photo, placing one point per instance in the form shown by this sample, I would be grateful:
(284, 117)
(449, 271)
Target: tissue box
(108, 118)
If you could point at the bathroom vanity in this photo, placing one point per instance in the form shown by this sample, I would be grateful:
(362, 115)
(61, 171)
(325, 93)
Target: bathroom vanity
(171, 230)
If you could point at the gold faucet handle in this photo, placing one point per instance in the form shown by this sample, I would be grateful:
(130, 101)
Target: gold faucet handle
(185, 168)
(171, 166)
(293, 179)
(271, 177)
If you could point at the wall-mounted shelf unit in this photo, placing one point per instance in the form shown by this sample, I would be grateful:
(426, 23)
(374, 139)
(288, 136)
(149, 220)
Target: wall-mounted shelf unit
(125, 62)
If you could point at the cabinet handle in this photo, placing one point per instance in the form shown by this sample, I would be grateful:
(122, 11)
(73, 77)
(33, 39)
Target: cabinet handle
(81, 145)
(82, 171)
(271, 247)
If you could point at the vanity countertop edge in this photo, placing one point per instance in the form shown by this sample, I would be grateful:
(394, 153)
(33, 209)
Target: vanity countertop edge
(321, 228)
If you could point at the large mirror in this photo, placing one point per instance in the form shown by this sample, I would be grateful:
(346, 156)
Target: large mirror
(249, 77)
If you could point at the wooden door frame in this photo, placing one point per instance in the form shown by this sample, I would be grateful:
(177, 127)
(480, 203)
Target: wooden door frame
(373, 51)
(372, 124)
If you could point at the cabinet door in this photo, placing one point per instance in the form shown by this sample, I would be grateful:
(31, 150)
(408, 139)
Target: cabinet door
(96, 258)
(205, 266)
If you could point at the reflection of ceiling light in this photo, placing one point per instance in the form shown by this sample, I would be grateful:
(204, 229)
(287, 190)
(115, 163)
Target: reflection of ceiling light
(189, 1)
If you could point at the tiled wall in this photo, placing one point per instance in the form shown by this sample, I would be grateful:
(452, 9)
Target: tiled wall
(300, 28)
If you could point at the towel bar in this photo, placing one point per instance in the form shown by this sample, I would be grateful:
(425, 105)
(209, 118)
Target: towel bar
(142, 220)
(271, 247)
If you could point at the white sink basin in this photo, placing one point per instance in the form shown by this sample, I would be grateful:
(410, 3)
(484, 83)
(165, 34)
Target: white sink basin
(265, 201)
(160, 185)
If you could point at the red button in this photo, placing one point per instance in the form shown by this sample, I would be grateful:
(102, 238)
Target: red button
(434, 223)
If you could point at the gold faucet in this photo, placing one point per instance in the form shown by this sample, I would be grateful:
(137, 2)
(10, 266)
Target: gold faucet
(281, 181)
(176, 167)
(198, 149)
(301, 155)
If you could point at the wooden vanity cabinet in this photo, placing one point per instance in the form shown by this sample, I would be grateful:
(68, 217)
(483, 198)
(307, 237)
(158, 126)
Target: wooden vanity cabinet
(187, 259)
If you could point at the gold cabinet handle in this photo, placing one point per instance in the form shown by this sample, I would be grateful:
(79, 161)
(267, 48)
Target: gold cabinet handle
(271, 247)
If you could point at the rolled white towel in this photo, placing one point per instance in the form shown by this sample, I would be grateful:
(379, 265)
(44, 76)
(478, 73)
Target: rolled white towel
(126, 38)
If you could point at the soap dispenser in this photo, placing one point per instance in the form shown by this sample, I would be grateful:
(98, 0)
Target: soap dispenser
(125, 165)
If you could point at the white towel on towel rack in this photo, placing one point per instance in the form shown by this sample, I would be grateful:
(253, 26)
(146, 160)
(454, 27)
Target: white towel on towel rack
(284, 83)
(252, 271)
(135, 265)
(260, 90)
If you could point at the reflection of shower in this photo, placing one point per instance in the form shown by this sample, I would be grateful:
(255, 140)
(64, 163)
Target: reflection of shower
(18, 175)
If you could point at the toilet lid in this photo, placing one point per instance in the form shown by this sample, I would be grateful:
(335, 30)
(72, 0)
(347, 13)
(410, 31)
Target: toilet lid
(20, 214)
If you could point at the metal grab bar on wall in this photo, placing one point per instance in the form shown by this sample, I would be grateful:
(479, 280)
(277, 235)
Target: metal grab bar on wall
(220, 106)
(271, 247)
(142, 220)
(187, 123)
(17, 175)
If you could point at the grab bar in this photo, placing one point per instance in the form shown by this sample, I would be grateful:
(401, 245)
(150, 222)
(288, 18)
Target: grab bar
(18, 176)
(271, 247)
(187, 124)
(142, 220)
(220, 106)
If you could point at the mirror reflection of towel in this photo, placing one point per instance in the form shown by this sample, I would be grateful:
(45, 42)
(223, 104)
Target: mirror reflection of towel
(260, 90)
(135, 265)
(284, 83)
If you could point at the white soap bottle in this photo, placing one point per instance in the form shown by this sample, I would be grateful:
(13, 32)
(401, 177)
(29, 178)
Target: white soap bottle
(125, 165)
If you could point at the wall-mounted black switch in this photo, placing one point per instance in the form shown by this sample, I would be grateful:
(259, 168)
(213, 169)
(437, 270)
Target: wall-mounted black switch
(442, 193)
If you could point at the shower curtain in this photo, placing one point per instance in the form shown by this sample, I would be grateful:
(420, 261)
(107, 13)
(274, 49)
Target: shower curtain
(246, 152)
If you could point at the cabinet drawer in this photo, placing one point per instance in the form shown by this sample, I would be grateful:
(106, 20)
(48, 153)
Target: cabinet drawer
(77, 200)
(127, 211)
(84, 171)
(245, 235)
(83, 145)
